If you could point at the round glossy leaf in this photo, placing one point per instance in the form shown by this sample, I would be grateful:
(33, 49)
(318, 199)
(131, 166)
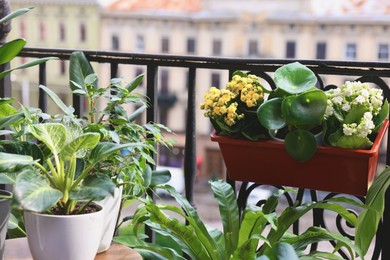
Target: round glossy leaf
(307, 108)
(270, 114)
(301, 145)
(294, 78)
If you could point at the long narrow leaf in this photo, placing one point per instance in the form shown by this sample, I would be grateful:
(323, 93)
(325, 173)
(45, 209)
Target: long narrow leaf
(226, 198)
(200, 229)
(14, 14)
(182, 234)
(368, 220)
(27, 65)
(79, 69)
(67, 110)
(317, 234)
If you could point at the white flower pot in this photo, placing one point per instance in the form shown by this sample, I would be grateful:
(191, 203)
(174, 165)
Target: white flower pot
(64, 237)
(111, 206)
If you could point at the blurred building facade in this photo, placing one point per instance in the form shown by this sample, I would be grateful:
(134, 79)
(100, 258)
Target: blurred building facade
(301, 29)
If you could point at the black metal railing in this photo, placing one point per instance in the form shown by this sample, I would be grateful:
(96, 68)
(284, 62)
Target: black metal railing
(373, 72)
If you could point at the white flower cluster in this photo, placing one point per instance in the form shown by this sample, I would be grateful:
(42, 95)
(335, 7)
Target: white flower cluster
(351, 95)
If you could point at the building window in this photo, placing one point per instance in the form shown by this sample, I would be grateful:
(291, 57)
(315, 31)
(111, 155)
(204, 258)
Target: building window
(62, 67)
(140, 44)
(165, 45)
(350, 51)
(191, 45)
(139, 71)
(42, 31)
(217, 47)
(62, 32)
(83, 32)
(23, 29)
(290, 49)
(321, 51)
(115, 42)
(216, 80)
(383, 52)
(253, 48)
(164, 79)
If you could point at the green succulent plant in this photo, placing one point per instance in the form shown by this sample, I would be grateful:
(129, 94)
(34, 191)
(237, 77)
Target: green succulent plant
(296, 106)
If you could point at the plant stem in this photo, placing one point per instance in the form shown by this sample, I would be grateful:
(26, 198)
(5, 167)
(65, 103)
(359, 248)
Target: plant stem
(50, 178)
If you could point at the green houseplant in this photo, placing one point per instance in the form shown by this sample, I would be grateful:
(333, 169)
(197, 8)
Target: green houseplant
(248, 238)
(110, 117)
(297, 107)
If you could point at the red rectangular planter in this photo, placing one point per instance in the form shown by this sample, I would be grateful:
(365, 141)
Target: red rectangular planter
(330, 169)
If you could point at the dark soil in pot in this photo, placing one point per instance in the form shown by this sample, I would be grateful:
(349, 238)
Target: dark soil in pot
(91, 208)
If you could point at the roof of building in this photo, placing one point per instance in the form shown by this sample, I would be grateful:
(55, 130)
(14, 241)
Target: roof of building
(56, 2)
(189, 6)
(351, 7)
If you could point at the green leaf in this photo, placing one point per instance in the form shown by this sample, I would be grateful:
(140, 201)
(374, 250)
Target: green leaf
(368, 220)
(34, 192)
(147, 176)
(67, 110)
(199, 227)
(305, 109)
(135, 83)
(160, 177)
(383, 114)
(79, 69)
(270, 114)
(11, 120)
(352, 142)
(294, 78)
(96, 186)
(138, 112)
(300, 144)
(53, 135)
(182, 234)
(226, 198)
(355, 114)
(14, 14)
(12, 222)
(9, 161)
(318, 234)
(103, 150)
(27, 65)
(22, 148)
(85, 141)
(11, 49)
(240, 73)
(283, 251)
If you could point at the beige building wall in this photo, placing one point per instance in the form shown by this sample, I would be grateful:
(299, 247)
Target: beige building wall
(66, 24)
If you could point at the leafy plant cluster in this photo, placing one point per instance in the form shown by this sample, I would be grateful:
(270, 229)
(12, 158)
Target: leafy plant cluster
(61, 160)
(260, 234)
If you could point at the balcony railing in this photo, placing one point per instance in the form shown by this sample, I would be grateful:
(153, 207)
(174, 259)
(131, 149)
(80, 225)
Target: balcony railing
(374, 72)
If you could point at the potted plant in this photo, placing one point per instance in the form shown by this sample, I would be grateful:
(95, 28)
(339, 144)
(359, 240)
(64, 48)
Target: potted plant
(296, 107)
(247, 237)
(109, 116)
(63, 184)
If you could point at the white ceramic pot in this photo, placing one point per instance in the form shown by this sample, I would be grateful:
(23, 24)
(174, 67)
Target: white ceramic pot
(111, 206)
(64, 237)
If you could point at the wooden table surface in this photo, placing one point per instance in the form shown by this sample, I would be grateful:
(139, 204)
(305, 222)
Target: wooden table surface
(17, 249)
